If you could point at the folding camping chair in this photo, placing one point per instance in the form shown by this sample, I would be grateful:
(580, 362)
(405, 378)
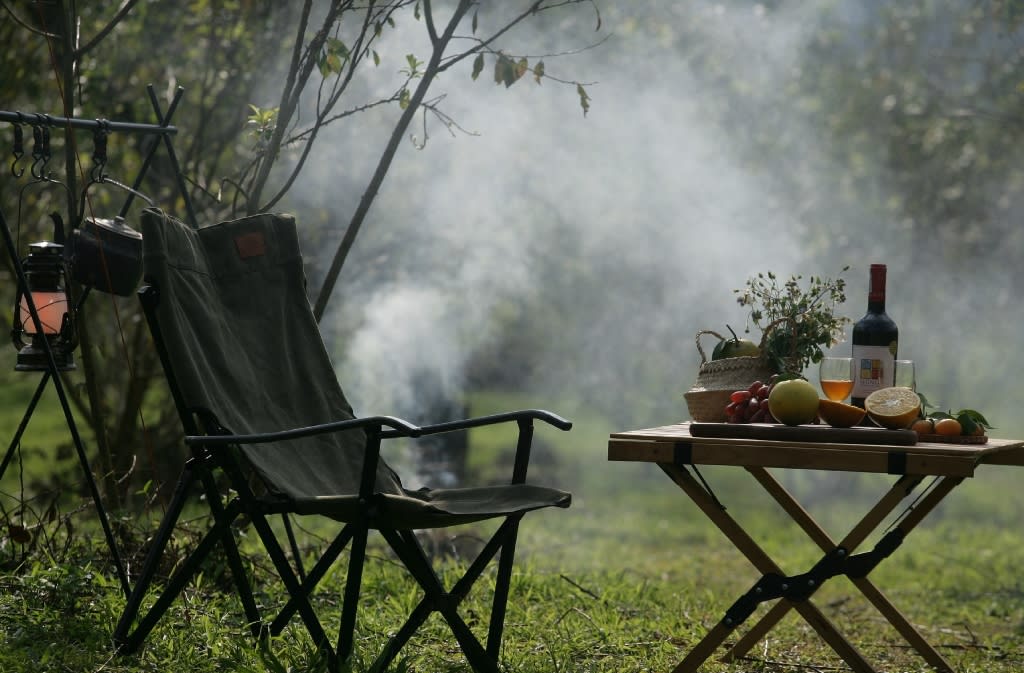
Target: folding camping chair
(258, 396)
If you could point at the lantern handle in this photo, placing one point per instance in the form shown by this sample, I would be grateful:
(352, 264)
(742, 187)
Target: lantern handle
(44, 180)
(16, 330)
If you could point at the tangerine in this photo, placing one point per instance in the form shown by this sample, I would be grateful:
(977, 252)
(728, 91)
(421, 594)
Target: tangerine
(923, 426)
(839, 415)
(948, 426)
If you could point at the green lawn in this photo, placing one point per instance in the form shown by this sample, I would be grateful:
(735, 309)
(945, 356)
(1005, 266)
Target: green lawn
(627, 579)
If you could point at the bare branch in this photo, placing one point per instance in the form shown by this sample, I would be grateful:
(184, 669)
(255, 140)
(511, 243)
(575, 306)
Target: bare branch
(121, 14)
(428, 16)
(21, 22)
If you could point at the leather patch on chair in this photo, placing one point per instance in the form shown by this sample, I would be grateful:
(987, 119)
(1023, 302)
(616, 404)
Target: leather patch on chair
(251, 245)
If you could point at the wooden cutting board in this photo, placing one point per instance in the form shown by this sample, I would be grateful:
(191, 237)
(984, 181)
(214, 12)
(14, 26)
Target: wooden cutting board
(804, 433)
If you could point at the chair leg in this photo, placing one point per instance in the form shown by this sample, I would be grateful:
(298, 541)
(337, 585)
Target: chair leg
(353, 585)
(291, 583)
(152, 562)
(238, 573)
(501, 588)
(316, 573)
(402, 543)
(130, 642)
(296, 553)
(410, 552)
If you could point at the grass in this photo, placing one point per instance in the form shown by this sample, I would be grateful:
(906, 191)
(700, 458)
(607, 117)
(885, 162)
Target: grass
(628, 579)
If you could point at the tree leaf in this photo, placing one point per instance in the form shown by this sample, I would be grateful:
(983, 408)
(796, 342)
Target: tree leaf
(478, 66)
(522, 67)
(538, 71)
(505, 71)
(584, 99)
(475, 24)
(976, 417)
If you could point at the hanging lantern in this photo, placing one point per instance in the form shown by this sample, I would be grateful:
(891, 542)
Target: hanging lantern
(46, 281)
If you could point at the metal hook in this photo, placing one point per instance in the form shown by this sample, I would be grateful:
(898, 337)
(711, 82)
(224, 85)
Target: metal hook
(19, 151)
(40, 151)
(99, 153)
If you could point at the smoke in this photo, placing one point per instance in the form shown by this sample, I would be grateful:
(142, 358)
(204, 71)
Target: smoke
(617, 236)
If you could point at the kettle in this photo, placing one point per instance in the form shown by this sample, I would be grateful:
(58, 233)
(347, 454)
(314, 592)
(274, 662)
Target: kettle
(107, 255)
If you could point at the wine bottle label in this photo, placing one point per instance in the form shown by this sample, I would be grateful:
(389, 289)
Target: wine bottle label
(874, 368)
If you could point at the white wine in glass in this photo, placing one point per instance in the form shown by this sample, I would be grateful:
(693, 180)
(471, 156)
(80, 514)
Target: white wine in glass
(836, 377)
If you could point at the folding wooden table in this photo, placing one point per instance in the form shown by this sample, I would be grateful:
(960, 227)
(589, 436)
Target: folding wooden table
(678, 449)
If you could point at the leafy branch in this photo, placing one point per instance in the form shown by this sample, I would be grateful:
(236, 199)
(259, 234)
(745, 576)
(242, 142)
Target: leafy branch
(803, 319)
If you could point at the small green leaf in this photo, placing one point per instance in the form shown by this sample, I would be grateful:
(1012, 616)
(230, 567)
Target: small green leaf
(474, 21)
(975, 416)
(478, 66)
(403, 100)
(967, 424)
(336, 46)
(505, 71)
(584, 99)
(522, 67)
(376, 57)
(538, 71)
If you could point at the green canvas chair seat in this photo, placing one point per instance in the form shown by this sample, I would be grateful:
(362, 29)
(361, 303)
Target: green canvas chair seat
(438, 508)
(257, 395)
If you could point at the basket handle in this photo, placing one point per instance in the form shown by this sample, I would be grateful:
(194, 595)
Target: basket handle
(700, 349)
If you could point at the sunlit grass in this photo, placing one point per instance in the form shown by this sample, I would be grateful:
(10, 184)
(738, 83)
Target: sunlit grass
(627, 579)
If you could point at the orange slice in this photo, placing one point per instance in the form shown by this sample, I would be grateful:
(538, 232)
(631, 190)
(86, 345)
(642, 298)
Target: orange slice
(895, 408)
(839, 415)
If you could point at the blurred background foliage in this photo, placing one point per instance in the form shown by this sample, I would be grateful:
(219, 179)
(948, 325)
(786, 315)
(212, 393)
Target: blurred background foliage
(883, 132)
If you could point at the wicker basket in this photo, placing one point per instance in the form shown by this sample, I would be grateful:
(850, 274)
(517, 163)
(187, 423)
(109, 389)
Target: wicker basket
(718, 379)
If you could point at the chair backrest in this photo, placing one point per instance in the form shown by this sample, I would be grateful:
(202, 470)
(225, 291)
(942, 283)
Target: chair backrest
(239, 339)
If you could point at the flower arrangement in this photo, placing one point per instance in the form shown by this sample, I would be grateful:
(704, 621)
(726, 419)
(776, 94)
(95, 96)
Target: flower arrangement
(802, 321)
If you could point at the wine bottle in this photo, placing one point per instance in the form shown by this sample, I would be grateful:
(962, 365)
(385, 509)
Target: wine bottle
(875, 338)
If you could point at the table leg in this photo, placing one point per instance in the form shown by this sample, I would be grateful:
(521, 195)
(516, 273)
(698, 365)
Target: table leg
(764, 564)
(899, 491)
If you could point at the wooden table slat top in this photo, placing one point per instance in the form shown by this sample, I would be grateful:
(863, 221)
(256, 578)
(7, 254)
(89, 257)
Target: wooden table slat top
(661, 444)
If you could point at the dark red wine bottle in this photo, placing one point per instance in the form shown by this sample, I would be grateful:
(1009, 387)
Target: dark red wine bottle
(875, 338)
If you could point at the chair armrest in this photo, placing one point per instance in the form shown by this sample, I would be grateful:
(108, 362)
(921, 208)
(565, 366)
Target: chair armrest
(399, 428)
(492, 419)
(524, 419)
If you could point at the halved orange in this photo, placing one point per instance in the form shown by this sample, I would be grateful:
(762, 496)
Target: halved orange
(839, 415)
(894, 408)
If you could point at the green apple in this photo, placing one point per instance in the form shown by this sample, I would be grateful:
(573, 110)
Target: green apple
(734, 348)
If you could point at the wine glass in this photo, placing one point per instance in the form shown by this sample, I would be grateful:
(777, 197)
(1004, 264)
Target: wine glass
(904, 374)
(836, 377)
